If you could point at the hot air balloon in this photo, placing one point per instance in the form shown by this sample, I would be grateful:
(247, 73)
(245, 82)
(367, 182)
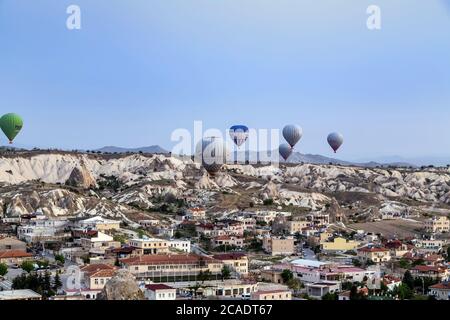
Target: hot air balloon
(292, 134)
(285, 151)
(11, 124)
(212, 153)
(335, 140)
(239, 134)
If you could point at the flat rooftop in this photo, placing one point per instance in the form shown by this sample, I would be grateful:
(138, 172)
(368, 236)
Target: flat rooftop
(24, 294)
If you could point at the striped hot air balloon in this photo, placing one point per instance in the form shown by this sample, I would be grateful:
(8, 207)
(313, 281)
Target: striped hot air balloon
(335, 140)
(285, 151)
(292, 134)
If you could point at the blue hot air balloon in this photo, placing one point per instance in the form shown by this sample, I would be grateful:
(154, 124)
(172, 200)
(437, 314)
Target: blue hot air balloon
(292, 134)
(335, 140)
(285, 151)
(239, 134)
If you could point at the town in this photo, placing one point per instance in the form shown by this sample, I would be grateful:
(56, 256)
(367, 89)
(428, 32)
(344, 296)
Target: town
(261, 253)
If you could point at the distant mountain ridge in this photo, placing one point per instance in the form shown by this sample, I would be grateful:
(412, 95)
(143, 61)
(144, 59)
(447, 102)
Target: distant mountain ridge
(149, 149)
(298, 157)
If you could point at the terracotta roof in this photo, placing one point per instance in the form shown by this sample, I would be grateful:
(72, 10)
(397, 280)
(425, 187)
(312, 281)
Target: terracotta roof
(166, 259)
(106, 273)
(229, 256)
(428, 268)
(91, 268)
(124, 250)
(442, 286)
(5, 254)
(393, 244)
(154, 287)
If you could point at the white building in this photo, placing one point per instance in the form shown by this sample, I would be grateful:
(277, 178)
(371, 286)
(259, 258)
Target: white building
(43, 229)
(99, 223)
(181, 245)
(160, 292)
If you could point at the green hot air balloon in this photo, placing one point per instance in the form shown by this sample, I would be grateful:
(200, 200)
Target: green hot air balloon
(11, 124)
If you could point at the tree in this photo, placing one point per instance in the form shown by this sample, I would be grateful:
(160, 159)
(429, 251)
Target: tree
(57, 282)
(226, 272)
(60, 258)
(3, 269)
(27, 266)
(408, 280)
(404, 264)
(287, 275)
(403, 292)
(294, 284)
(356, 262)
(330, 296)
(354, 293)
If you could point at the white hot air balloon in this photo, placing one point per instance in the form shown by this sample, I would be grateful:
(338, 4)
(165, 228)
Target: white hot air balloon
(212, 153)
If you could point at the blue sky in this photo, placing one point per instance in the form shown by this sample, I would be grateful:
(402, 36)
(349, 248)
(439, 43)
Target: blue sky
(139, 69)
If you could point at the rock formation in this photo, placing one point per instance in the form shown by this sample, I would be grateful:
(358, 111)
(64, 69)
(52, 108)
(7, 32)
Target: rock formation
(80, 177)
(121, 287)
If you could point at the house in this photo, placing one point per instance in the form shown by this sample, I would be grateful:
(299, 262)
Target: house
(93, 279)
(318, 290)
(43, 228)
(440, 291)
(232, 288)
(180, 245)
(99, 243)
(196, 213)
(149, 246)
(249, 223)
(319, 219)
(374, 254)
(230, 241)
(437, 225)
(434, 272)
(96, 275)
(272, 295)
(391, 282)
(296, 226)
(325, 272)
(148, 223)
(279, 246)
(397, 248)
(429, 245)
(9, 243)
(272, 275)
(100, 224)
(171, 267)
(160, 292)
(237, 262)
(339, 244)
(14, 256)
